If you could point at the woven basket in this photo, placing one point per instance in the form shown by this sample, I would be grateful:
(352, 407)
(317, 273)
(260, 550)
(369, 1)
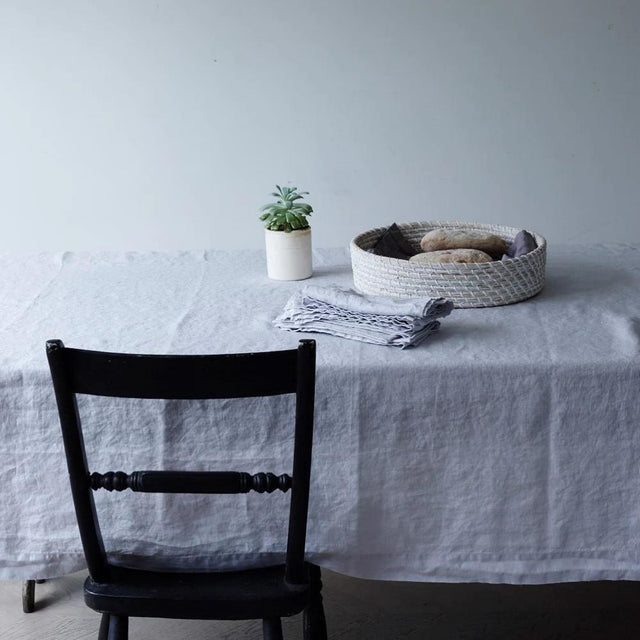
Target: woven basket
(487, 284)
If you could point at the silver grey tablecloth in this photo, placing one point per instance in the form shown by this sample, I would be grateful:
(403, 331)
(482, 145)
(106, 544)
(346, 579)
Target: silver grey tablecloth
(505, 448)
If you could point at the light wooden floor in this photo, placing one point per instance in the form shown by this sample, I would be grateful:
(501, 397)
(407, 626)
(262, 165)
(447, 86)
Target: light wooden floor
(363, 610)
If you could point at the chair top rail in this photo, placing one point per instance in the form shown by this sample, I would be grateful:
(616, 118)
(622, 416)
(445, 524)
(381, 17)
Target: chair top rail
(179, 377)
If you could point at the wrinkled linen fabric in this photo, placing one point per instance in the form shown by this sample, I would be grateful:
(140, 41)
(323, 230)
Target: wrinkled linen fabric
(506, 450)
(377, 319)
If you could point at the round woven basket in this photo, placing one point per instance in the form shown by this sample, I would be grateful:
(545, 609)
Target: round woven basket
(487, 284)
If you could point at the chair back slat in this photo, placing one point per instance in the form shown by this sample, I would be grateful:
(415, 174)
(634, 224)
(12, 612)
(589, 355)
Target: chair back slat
(181, 377)
(77, 371)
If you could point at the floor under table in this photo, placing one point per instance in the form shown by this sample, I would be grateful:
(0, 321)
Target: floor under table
(363, 609)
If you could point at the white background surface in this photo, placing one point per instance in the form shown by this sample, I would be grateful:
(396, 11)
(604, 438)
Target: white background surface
(165, 124)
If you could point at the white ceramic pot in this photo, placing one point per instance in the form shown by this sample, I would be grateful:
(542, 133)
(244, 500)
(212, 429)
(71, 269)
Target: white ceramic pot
(288, 254)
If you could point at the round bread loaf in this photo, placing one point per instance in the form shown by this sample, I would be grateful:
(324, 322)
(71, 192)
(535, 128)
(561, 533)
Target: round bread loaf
(444, 238)
(452, 255)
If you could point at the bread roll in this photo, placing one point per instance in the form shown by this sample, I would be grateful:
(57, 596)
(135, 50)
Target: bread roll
(438, 239)
(451, 255)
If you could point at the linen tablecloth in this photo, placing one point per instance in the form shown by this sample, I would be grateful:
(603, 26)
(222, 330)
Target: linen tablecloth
(505, 448)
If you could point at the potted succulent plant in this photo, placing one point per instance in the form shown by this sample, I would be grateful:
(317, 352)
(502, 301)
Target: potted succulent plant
(287, 235)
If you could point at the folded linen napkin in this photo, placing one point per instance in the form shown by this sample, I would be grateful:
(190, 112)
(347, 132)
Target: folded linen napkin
(399, 322)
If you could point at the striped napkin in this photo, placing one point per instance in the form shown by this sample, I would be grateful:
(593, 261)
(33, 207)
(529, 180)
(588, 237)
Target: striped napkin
(398, 322)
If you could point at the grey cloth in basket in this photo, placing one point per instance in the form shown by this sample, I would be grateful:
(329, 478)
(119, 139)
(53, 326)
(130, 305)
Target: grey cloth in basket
(399, 322)
(523, 243)
(393, 244)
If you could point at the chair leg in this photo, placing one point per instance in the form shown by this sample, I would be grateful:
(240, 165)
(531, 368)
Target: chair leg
(103, 634)
(118, 628)
(28, 595)
(314, 625)
(272, 629)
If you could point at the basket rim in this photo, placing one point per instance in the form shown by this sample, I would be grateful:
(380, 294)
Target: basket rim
(450, 267)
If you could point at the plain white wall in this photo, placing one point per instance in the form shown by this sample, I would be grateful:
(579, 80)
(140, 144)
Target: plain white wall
(163, 124)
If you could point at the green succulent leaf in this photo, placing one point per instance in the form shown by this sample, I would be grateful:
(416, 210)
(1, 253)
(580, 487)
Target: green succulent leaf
(288, 212)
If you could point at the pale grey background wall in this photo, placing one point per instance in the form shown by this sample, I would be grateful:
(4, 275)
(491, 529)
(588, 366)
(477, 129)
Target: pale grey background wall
(161, 124)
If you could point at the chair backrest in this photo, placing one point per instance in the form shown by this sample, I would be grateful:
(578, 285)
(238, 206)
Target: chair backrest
(77, 371)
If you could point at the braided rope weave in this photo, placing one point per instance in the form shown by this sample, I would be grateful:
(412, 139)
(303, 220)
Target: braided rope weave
(487, 284)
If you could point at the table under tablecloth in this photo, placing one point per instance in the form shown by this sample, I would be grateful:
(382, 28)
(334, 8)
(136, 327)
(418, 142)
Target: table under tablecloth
(505, 448)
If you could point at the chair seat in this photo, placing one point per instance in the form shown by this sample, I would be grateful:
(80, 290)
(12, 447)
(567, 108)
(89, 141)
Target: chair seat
(233, 595)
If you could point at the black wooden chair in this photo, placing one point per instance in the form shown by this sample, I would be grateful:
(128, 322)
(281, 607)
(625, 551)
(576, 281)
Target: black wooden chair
(262, 593)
